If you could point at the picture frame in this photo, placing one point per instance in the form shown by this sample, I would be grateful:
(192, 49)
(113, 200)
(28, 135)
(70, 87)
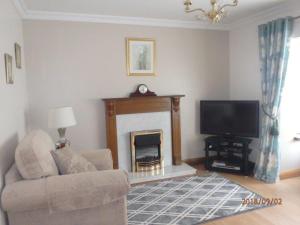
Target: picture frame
(141, 56)
(18, 56)
(8, 69)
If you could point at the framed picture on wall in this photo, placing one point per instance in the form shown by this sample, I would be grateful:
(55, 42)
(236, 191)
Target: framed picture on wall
(8, 69)
(140, 57)
(18, 56)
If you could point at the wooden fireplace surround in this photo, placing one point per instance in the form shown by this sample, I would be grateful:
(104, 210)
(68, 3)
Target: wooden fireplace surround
(131, 105)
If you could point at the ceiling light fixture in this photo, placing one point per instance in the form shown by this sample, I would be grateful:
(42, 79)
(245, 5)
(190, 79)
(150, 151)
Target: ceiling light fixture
(216, 13)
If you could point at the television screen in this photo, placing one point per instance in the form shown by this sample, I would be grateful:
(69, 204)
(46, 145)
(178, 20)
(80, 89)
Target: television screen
(230, 118)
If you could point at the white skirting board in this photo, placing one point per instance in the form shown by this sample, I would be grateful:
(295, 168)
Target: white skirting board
(164, 173)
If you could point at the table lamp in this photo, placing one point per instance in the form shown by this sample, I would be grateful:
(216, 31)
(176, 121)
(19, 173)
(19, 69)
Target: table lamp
(61, 118)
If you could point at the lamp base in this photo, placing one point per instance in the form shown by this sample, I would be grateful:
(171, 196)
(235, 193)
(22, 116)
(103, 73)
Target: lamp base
(63, 141)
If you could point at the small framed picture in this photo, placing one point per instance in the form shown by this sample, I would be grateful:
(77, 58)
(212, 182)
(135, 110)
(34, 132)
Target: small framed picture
(8, 69)
(18, 56)
(140, 57)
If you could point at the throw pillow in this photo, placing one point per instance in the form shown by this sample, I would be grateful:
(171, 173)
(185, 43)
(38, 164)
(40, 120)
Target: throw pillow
(69, 162)
(33, 157)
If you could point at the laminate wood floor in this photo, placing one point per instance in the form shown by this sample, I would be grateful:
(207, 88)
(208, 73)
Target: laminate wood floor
(286, 214)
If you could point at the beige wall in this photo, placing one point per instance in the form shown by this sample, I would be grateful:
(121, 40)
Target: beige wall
(244, 70)
(77, 64)
(13, 98)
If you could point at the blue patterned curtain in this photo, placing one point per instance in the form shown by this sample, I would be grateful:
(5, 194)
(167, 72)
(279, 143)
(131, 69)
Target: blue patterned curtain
(274, 39)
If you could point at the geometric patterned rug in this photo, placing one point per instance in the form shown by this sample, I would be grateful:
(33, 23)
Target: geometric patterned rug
(187, 201)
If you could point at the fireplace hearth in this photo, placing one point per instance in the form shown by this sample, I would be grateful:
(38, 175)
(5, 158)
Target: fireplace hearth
(146, 150)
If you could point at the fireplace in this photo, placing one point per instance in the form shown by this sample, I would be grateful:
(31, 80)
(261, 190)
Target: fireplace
(146, 150)
(118, 108)
(135, 142)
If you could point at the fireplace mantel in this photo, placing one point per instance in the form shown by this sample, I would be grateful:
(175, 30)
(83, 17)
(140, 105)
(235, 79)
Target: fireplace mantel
(132, 105)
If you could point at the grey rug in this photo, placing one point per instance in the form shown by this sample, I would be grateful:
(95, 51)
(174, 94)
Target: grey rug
(187, 201)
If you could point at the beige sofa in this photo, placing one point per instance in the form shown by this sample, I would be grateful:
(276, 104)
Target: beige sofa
(91, 198)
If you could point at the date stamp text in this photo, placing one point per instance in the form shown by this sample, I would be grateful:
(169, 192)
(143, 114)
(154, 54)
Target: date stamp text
(262, 201)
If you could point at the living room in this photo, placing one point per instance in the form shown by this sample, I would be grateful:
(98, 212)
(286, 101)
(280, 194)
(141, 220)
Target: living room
(72, 62)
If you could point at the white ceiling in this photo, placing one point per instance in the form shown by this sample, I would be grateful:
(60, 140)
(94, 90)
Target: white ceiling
(159, 9)
(161, 13)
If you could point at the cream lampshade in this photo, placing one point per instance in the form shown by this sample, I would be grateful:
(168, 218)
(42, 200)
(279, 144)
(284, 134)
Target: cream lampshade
(61, 118)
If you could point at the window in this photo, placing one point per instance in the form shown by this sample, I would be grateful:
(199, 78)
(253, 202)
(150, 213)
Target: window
(290, 105)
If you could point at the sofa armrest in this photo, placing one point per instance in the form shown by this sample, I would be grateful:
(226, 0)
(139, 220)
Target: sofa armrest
(66, 192)
(25, 195)
(86, 190)
(101, 158)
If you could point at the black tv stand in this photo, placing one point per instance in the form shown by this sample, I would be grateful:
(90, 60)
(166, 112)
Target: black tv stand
(231, 154)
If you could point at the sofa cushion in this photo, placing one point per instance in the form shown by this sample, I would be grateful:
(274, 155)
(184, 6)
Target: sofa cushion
(69, 162)
(101, 158)
(33, 157)
(85, 190)
(12, 175)
(64, 193)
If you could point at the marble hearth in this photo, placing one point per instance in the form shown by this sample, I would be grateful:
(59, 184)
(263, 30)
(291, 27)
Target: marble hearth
(164, 173)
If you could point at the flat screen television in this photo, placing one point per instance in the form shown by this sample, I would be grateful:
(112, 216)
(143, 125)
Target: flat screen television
(230, 118)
